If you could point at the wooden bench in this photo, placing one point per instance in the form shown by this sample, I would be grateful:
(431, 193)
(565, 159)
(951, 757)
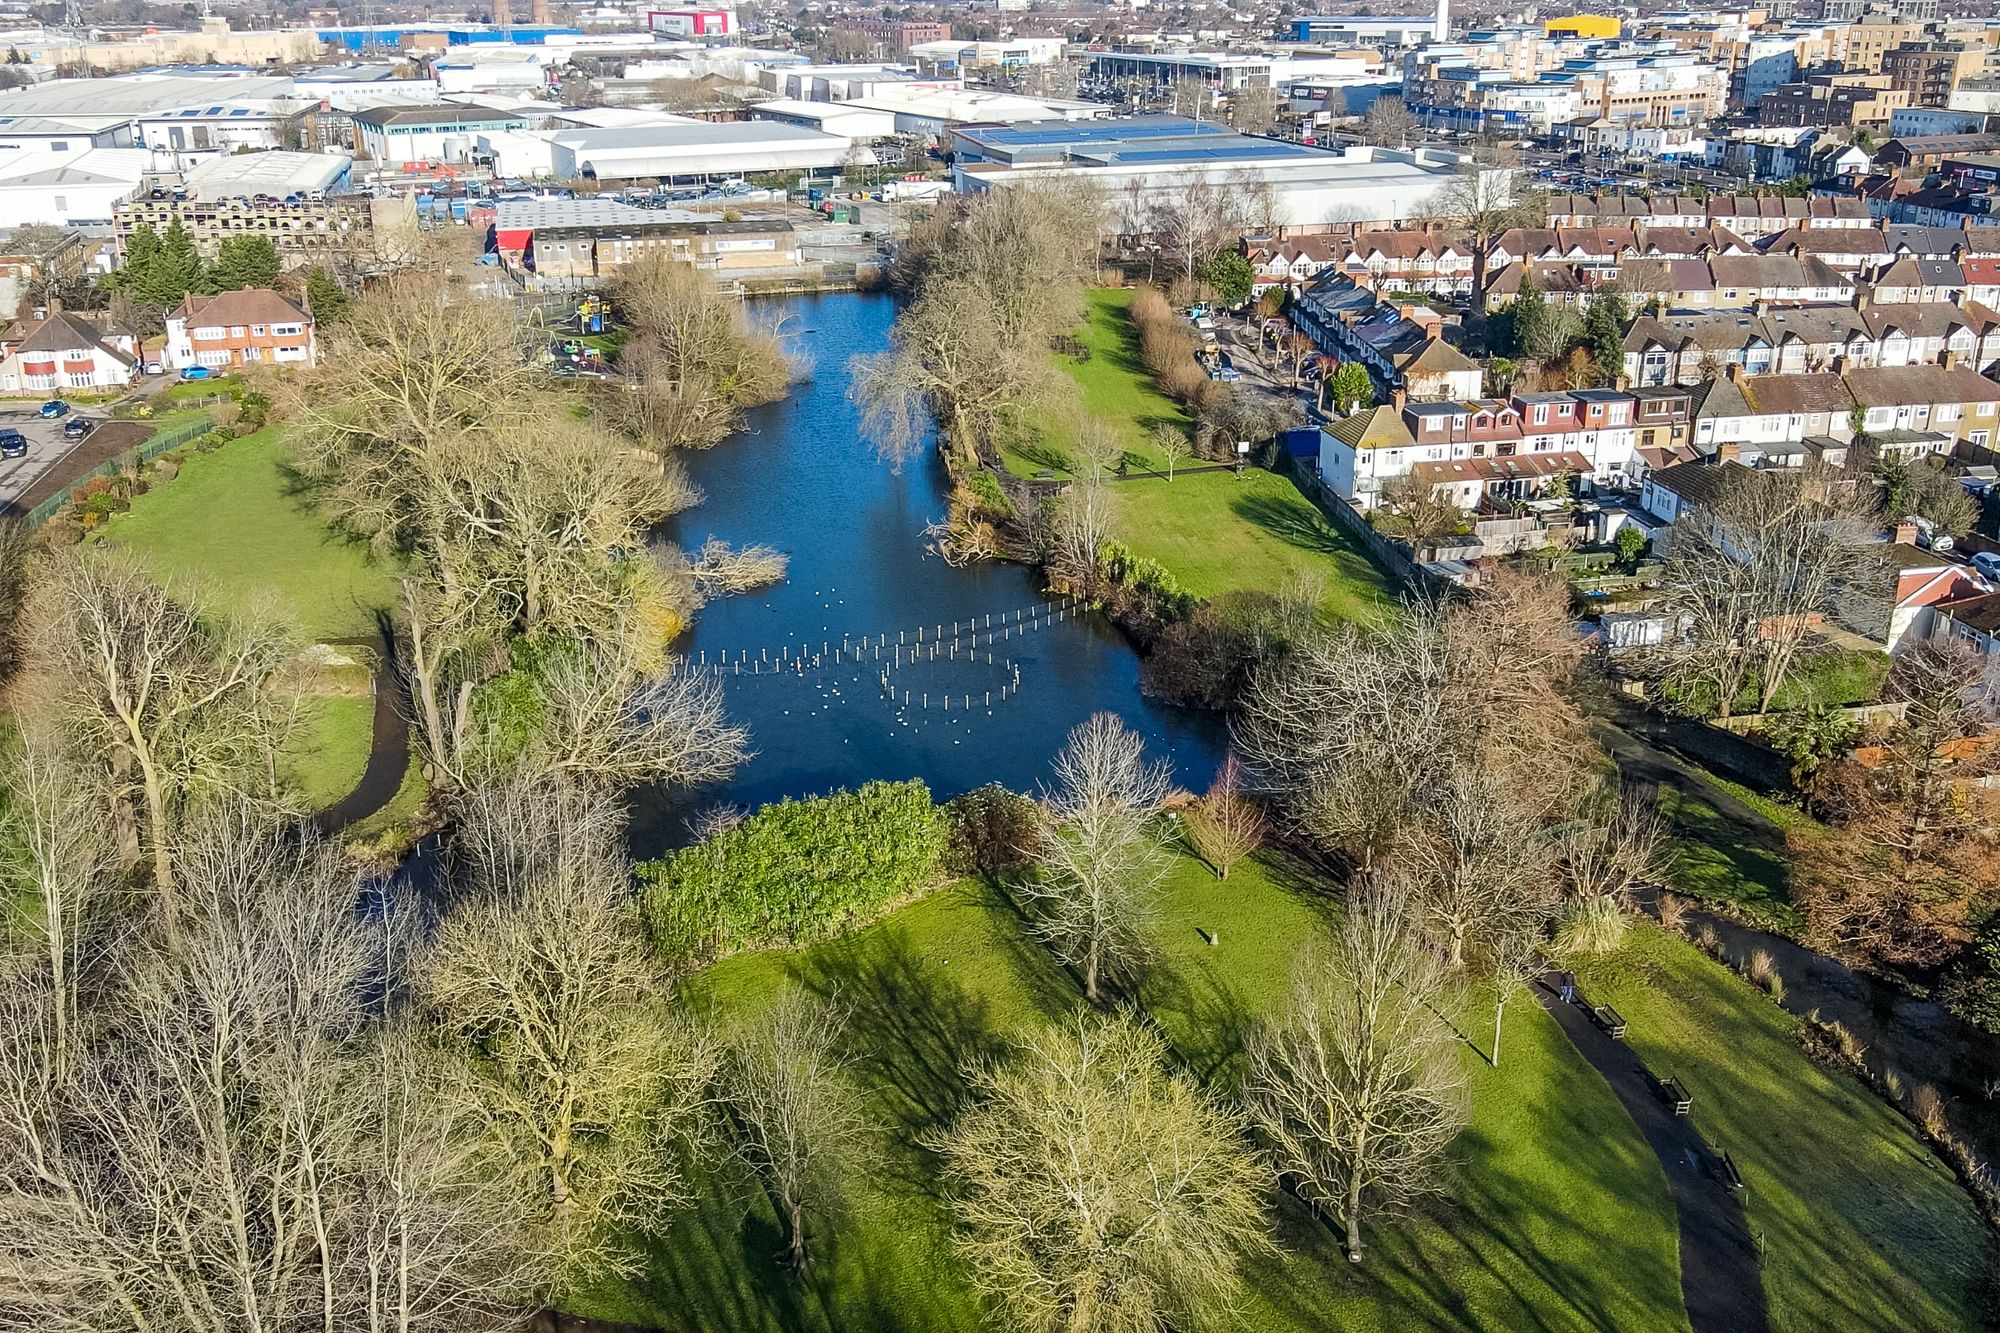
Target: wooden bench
(1675, 1096)
(1608, 1019)
(1726, 1172)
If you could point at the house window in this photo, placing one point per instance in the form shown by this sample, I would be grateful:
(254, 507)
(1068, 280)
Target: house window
(1541, 414)
(256, 330)
(1947, 412)
(1986, 409)
(236, 330)
(207, 333)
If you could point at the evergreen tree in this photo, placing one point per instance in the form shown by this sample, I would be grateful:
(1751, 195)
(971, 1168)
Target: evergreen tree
(325, 297)
(1604, 332)
(1528, 317)
(243, 261)
(159, 271)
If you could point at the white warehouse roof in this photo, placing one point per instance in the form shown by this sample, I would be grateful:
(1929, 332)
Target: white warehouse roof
(278, 173)
(732, 148)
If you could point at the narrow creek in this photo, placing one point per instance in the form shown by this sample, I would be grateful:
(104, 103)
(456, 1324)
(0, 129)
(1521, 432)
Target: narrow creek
(802, 479)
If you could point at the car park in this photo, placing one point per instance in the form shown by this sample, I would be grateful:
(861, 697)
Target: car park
(13, 444)
(54, 408)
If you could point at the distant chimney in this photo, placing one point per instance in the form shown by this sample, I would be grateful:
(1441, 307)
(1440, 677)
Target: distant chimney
(1948, 359)
(1735, 372)
(539, 12)
(1398, 399)
(1838, 365)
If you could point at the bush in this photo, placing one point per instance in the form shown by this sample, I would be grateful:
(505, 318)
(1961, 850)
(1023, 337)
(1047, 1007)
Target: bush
(1205, 660)
(1592, 925)
(993, 830)
(796, 872)
(986, 492)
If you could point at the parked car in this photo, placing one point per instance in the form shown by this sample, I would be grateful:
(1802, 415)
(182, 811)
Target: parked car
(54, 408)
(78, 427)
(155, 368)
(1987, 563)
(195, 372)
(13, 444)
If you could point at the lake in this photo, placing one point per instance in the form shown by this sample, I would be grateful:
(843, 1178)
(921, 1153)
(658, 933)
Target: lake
(801, 478)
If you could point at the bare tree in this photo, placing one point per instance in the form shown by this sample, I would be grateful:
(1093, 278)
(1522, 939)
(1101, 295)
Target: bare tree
(1253, 109)
(1191, 216)
(1096, 1190)
(1481, 201)
(1171, 443)
(166, 693)
(561, 1038)
(1225, 825)
(1357, 1088)
(799, 1123)
(1619, 843)
(1102, 854)
(1083, 514)
(1748, 572)
(221, 1152)
(1387, 123)
(1476, 863)
(59, 865)
(691, 361)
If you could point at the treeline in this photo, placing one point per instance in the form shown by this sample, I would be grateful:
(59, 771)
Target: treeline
(1222, 414)
(160, 269)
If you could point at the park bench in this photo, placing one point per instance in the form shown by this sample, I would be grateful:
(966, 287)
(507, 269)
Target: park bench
(1675, 1096)
(1608, 1019)
(1726, 1172)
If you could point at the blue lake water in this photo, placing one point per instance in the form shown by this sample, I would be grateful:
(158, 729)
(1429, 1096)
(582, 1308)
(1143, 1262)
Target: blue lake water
(803, 480)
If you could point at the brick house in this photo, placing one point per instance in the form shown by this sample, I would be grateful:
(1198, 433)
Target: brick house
(65, 351)
(252, 327)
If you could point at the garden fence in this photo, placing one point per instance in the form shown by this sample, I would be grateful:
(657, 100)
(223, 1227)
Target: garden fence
(140, 453)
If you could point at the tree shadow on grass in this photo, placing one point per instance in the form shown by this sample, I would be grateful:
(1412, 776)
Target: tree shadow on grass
(1293, 520)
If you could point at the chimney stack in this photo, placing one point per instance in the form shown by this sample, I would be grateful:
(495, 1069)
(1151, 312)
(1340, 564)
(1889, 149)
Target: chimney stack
(1398, 399)
(1735, 372)
(539, 12)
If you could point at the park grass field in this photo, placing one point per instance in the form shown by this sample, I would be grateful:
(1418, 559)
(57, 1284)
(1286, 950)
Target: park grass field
(1565, 1223)
(235, 522)
(1217, 532)
(1863, 1228)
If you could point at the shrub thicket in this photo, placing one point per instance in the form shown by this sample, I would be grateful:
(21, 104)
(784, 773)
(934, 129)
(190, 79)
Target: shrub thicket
(993, 830)
(796, 871)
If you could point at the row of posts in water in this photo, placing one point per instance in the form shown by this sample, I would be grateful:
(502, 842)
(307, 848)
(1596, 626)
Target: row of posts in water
(908, 647)
(922, 698)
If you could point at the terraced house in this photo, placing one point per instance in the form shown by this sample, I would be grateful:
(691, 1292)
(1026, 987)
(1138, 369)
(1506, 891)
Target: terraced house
(1687, 348)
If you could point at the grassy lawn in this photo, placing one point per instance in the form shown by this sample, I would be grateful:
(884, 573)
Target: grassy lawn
(1561, 1217)
(1863, 1228)
(325, 756)
(232, 521)
(1217, 532)
(1720, 855)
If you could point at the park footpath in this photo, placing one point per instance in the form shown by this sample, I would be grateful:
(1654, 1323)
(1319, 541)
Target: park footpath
(1720, 1281)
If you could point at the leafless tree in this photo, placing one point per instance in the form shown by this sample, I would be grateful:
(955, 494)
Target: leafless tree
(232, 1146)
(1749, 571)
(1102, 854)
(799, 1122)
(1253, 109)
(1192, 215)
(691, 361)
(1619, 843)
(1481, 201)
(606, 723)
(167, 694)
(1477, 864)
(1357, 1088)
(1225, 825)
(60, 866)
(561, 1038)
(1096, 1190)
(1083, 514)
(1171, 443)
(1387, 123)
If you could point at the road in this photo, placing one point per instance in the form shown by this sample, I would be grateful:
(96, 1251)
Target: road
(46, 448)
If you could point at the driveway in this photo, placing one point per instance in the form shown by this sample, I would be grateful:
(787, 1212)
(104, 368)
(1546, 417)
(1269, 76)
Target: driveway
(46, 449)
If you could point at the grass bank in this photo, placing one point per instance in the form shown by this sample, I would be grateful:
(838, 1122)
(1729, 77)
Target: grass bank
(1862, 1228)
(1216, 532)
(1561, 1217)
(235, 522)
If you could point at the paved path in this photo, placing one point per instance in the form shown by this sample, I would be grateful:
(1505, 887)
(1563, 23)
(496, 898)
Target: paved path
(388, 750)
(1720, 1283)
